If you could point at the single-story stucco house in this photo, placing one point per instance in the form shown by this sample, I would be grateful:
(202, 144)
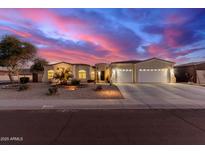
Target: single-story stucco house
(135, 71)
(191, 72)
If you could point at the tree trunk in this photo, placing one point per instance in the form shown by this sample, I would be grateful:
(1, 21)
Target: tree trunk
(11, 77)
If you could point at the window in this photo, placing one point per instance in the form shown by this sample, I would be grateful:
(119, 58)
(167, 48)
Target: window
(82, 74)
(50, 74)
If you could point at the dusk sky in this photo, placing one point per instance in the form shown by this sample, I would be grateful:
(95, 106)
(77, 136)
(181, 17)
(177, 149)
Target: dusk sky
(106, 35)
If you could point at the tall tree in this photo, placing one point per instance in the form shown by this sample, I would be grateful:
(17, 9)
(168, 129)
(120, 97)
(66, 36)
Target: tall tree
(15, 53)
(38, 65)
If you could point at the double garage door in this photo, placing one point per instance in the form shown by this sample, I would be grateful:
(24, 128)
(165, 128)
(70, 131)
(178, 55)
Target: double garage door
(152, 75)
(144, 75)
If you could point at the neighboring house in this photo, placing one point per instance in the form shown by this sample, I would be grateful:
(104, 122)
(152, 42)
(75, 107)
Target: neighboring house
(26, 73)
(191, 72)
(150, 70)
(23, 73)
(4, 74)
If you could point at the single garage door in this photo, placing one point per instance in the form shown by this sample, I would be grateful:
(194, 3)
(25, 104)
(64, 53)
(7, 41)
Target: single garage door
(124, 76)
(153, 75)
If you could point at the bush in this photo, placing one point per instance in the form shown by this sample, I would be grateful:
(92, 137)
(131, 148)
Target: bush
(23, 87)
(52, 90)
(64, 83)
(75, 82)
(90, 81)
(24, 80)
(98, 88)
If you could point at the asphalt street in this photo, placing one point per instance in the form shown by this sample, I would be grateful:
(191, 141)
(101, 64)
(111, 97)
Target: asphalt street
(154, 126)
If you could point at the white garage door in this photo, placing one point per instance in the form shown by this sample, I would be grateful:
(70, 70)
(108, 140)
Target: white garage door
(124, 76)
(153, 75)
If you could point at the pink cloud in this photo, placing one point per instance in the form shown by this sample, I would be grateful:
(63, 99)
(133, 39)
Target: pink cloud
(176, 19)
(19, 33)
(47, 16)
(171, 36)
(157, 51)
(98, 39)
(65, 55)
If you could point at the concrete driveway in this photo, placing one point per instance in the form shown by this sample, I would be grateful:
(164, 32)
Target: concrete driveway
(163, 95)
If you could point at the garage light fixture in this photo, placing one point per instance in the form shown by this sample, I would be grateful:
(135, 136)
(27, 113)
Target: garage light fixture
(172, 71)
(113, 71)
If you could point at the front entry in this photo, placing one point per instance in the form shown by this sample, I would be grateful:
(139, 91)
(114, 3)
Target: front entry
(35, 77)
(102, 75)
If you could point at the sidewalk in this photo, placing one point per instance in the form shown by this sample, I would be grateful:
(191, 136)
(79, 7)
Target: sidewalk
(70, 104)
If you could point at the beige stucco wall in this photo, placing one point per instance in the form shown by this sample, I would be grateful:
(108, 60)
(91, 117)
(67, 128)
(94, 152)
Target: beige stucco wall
(101, 66)
(86, 68)
(92, 73)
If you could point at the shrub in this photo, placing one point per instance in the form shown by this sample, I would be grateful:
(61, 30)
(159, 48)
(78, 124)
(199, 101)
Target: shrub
(64, 82)
(24, 80)
(75, 82)
(98, 88)
(23, 87)
(52, 90)
(90, 81)
(63, 75)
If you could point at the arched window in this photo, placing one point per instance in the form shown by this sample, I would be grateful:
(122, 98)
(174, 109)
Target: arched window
(50, 74)
(82, 74)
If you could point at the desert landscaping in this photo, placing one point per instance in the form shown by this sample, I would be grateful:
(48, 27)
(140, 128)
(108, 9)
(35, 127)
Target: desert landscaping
(40, 91)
